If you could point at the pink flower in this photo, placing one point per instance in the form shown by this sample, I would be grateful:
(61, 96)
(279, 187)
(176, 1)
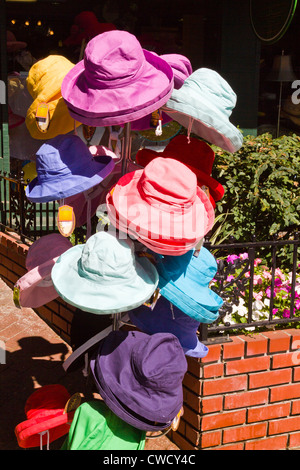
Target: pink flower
(286, 313)
(258, 296)
(267, 275)
(257, 279)
(278, 282)
(229, 278)
(244, 256)
(297, 304)
(274, 311)
(257, 261)
(231, 258)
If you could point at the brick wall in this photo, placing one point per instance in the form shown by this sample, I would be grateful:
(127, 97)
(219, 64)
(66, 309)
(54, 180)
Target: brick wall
(244, 395)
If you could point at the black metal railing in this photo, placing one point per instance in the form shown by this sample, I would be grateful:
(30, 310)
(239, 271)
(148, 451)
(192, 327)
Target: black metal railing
(33, 220)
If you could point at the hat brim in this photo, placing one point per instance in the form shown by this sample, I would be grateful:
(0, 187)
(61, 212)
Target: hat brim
(27, 432)
(195, 112)
(140, 406)
(15, 46)
(152, 222)
(101, 107)
(35, 290)
(55, 189)
(91, 296)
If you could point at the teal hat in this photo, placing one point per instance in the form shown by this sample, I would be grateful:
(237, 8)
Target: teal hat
(96, 427)
(184, 281)
(203, 106)
(104, 275)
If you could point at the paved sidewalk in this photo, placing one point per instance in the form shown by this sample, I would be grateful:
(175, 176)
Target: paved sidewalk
(34, 355)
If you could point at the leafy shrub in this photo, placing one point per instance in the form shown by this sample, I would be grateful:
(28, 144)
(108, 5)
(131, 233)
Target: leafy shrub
(262, 190)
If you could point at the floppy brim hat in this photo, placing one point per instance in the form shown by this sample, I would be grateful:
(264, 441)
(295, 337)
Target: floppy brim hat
(203, 105)
(45, 412)
(116, 82)
(139, 377)
(160, 247)
(184, 281)
(104, 275)
(14, 120)
(86, 26)
(44, 85)
(167, 318)
(66, 167)
(35, 288)
(163, 201)
(96, 427)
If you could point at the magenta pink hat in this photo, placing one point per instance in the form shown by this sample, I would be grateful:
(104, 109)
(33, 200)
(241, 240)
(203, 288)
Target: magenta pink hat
(36, 287)
(163, 202)
(116, 82)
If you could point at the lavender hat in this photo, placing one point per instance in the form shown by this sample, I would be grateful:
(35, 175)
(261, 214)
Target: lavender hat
(167, 318)
(65, 167)
(140, 377)
(116, 82)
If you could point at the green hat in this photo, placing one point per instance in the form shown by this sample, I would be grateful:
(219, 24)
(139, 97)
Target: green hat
(96, 427)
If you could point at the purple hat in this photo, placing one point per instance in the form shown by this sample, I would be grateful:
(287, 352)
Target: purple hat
(182, 69)
(65, 167)
(167, 318)
(116, 82)
(139, 377)
(35, 288)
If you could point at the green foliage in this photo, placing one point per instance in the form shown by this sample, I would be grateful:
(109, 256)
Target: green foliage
(262, 188)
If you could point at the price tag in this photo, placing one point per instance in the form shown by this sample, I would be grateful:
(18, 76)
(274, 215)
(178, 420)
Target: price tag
(16, 296)
(65, 220)
(42, 117)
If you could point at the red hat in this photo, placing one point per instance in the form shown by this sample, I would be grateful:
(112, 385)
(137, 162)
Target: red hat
(196, 154)
(86, 26)
(45, 415)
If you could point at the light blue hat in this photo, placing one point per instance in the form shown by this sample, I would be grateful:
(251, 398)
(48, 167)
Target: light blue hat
(203, 106)
(104, 275)
(184, 281)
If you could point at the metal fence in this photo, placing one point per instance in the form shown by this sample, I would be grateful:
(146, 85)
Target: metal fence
(33, 220)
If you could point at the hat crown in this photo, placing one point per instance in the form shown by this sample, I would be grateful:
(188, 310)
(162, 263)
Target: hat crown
(108, 259)
(46, 248)
(165, 180)
(158, 362)
(113, 59)
(61, 156)
(214, 88)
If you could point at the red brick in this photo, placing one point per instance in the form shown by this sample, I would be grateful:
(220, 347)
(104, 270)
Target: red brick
(263, 413)
(211, 405)
(192, 383)
(278, 341)
(191, 417)
(234, 349)
(296, 374)
(295, 336)
(286, 360)
(279, 426)
(255, 345)
(192, 399)
(294, 440)
(59, 322)
(247, 365)
(210, 439)
(244, 433)
(270, 443)
(244, 399)
(222, 420)
(181, 442)
(224, 385)
(239, 446)
(194, 366)
(285, 392)
(213, 370)
(45, 313)
(295, 407)
(267, 378)
(192, 435)
(214, 353)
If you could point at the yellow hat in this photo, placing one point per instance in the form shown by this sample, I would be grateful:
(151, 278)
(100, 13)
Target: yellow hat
(43, 83)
